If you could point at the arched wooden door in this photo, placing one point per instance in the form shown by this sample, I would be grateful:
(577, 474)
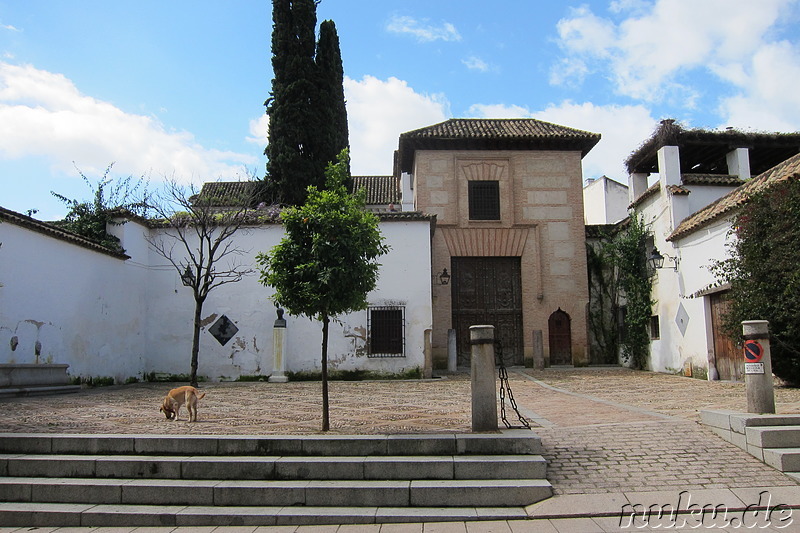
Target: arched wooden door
(560, 333)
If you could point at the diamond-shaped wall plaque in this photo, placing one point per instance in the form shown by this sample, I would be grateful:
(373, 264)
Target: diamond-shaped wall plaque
(223, 330)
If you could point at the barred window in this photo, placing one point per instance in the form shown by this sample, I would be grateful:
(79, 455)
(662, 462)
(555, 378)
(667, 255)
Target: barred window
(386, 326)
(484, 200)
(655, 328)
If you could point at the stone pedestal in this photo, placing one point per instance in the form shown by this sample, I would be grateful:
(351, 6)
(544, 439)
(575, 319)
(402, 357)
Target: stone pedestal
(279, 350)
(758, 367)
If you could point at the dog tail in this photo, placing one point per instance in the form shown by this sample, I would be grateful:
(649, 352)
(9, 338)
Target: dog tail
(201, 396)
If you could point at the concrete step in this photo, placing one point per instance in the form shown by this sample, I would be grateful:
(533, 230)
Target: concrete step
(317, 493)
(269, 467)
(508, 442)
(773, 436)
(90, 515)
(784, 459)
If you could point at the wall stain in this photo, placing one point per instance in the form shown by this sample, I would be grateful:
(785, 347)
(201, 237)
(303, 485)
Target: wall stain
(208, 320)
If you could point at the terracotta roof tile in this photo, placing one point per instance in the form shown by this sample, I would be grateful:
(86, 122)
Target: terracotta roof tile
(737, 197)
(711, 179)
(493, 134)
(381, 190)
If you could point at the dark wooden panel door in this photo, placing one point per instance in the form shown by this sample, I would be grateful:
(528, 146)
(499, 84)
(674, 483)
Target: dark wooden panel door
(488, 290)
(728, 358)
(559, 327)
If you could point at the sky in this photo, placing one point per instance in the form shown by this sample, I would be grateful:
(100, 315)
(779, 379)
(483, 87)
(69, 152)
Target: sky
(176, 90)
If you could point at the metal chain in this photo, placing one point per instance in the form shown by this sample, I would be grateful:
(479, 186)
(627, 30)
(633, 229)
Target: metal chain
(505, 386)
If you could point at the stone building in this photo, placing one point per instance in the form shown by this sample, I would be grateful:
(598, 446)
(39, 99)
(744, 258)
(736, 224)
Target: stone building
(508, 201)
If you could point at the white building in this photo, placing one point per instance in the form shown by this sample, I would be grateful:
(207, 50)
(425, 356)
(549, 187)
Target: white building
(605, 201)
(701, 177)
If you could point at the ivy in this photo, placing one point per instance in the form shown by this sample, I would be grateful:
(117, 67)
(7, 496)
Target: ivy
(618, 272)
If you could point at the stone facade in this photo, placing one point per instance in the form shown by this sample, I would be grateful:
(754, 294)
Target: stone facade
(540, 225)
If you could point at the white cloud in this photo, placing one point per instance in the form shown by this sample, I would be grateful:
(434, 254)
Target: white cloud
(43, 114)
(648, 54)
(768, 99)
(422, 30)
(259, 130)
(9, 27)
(378, 111)
(476, 63)
(623, 128)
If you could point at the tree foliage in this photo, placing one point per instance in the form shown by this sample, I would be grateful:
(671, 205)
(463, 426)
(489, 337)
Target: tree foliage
(307, 117)
(763, 270)
(90, 218)
(327, 261)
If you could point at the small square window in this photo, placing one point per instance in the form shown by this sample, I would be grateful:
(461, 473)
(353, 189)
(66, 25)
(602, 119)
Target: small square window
(655, 328)
(386, 326)
(484, 200)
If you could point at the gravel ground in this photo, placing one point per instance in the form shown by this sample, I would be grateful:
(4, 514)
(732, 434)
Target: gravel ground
(379, 407)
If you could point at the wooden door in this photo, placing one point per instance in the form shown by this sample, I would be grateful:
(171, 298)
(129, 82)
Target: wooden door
(488, 290)
(559, 327)
(729, 359)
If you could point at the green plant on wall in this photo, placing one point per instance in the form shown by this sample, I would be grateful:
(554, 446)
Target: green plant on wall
(618, 271)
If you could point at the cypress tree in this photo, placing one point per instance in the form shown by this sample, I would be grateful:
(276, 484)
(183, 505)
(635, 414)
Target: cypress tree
(334, 135)
(305, 104)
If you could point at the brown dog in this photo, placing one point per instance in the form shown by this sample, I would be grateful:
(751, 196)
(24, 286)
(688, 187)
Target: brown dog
(177, 397)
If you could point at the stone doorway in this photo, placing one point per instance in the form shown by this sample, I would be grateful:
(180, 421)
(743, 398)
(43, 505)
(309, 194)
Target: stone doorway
(559, 327)
(488, 290)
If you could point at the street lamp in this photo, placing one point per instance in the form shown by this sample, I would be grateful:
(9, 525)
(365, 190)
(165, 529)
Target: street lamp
(444, 277)
(187, 277)
(656, 260)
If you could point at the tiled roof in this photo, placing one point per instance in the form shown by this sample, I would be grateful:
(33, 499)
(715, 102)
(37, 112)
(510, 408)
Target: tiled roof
(677, 189)
(381, 190)
(737, 197)
(228, 193)
(705, 151)
(711, 179)
(50, 230)
(493, 134)
(651, 191)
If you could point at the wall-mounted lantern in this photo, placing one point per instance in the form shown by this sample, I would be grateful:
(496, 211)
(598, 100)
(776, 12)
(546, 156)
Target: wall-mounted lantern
(656, 261)
(187, 277)
(444, 277)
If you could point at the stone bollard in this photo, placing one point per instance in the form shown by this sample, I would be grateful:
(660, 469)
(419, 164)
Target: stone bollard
(484, 389)
(279, 350)
(758, 367)
(452, 352)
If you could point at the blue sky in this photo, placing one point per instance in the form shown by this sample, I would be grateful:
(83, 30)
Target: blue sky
(176, 89)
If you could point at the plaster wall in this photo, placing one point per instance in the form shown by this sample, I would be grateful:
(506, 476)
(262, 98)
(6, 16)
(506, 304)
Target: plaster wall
(111, 317)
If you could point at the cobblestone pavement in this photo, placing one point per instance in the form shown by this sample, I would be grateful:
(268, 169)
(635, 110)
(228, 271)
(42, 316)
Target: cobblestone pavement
(603, 430)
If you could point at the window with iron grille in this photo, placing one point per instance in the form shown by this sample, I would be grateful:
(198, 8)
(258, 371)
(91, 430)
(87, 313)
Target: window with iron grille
(386, 326)
(484, 200)
(655, 328)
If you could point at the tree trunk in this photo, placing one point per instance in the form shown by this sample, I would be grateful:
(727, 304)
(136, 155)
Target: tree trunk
(198, 309)
(326, 424)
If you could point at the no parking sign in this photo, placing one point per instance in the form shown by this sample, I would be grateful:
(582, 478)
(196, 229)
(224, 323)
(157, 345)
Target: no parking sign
(753, 352)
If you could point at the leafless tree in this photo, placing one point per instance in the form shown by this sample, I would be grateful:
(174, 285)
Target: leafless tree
(196, 237)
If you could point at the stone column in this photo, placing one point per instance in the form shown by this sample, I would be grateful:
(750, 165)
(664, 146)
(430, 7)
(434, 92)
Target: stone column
(279, 350)
(758, 367)
(484, 388)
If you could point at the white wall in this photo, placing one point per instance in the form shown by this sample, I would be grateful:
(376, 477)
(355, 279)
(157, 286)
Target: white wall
(110, 317)
(605, 201)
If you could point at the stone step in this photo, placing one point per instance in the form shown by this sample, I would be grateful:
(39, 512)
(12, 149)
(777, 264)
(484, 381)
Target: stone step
(784, 459)
(773, 436)
(507, 442)
(90, 515)
(315, 493)
(269, 467)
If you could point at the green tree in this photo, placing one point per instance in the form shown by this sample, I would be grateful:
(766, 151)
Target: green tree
(763, 269)
(306, 108)
(333, 130)
(327, 262)
(91, 218)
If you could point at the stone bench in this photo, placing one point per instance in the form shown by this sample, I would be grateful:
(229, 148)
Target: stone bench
(26, 379)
